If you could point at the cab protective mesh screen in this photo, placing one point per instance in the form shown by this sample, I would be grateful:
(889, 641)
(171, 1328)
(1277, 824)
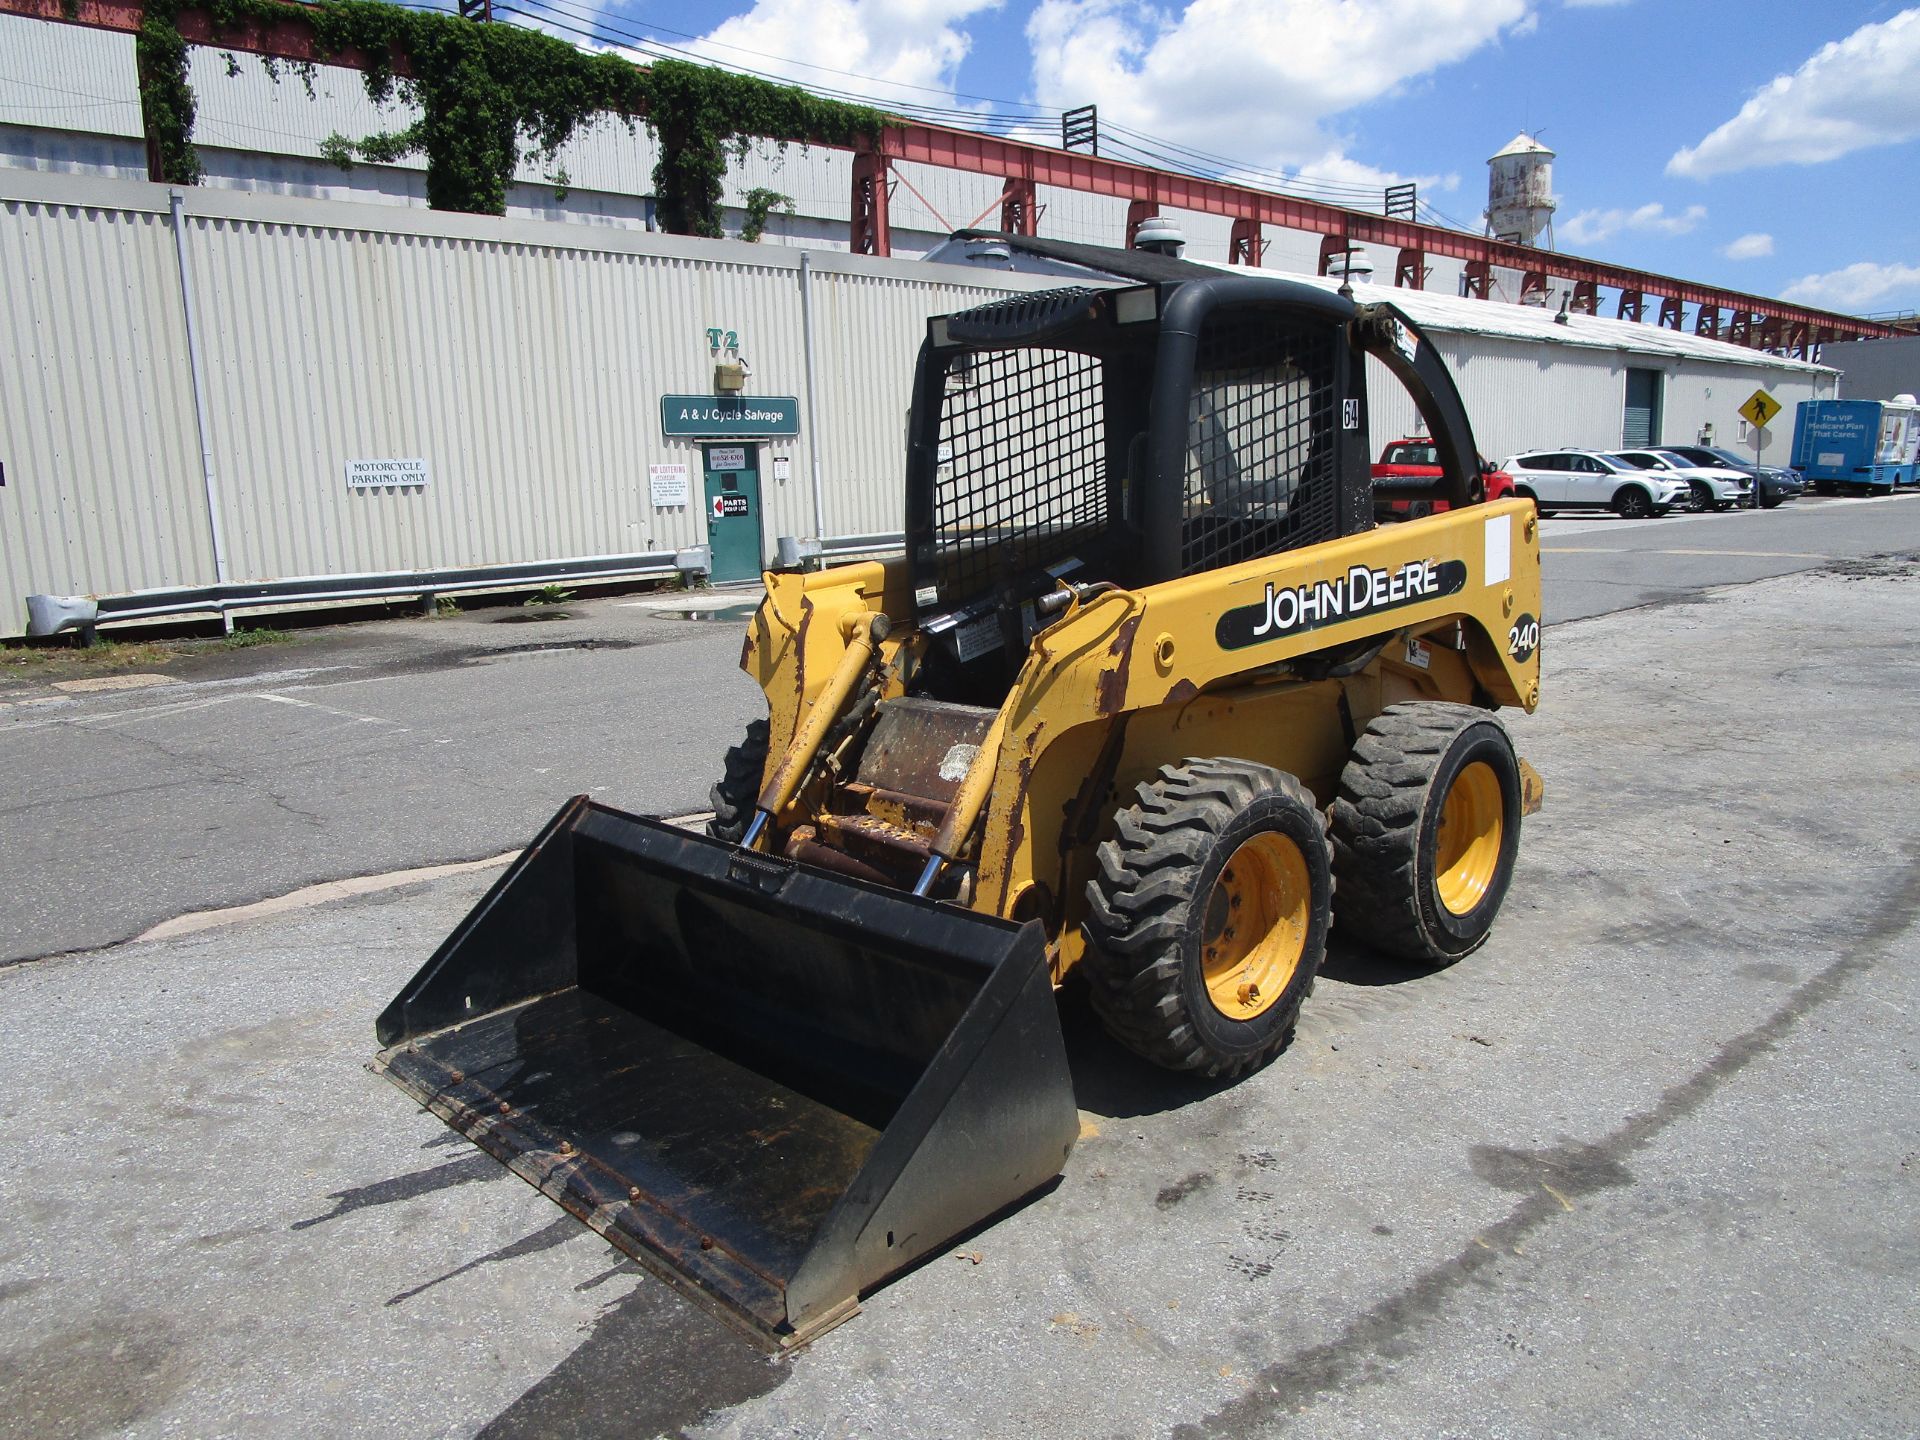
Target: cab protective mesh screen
(1022, 476)
(1260, 475)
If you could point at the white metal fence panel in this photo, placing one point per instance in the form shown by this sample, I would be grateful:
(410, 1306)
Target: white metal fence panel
(103, 488)
(522, 365)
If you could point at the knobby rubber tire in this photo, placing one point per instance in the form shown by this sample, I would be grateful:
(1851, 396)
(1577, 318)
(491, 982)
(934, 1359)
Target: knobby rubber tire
(733, 794)
(1386, 821)
(1147, 906)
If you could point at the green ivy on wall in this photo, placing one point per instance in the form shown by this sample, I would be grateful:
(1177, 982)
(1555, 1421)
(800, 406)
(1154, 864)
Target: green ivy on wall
(761, 202)
(489, 94)
(166, 99)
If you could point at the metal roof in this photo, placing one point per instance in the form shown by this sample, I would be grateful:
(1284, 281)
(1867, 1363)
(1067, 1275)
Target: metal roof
(1463, 315)
(1430, 310)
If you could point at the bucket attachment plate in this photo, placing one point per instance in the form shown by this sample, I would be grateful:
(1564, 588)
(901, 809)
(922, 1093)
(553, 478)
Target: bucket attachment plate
(769, 1084)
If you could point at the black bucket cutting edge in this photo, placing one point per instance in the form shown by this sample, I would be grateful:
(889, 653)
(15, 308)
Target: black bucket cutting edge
(770, 1085)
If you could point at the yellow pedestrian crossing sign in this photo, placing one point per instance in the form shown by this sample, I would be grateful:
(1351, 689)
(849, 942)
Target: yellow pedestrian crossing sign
(1760, 409)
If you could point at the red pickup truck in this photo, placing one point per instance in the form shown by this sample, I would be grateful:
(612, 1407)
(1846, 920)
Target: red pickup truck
(1415, 462)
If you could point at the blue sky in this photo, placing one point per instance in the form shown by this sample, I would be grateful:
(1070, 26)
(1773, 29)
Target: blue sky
(1770, 146)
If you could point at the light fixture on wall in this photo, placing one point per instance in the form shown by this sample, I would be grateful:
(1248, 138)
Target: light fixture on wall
(732, 373)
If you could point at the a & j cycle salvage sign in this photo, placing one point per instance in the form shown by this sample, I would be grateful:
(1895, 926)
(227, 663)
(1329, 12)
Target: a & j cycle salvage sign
(726, 416)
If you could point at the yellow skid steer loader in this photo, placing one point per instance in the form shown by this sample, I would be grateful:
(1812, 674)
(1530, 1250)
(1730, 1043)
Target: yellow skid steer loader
(1145, 685)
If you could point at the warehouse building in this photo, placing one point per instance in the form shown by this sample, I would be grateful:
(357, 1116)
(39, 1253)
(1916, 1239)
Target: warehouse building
(226, 400)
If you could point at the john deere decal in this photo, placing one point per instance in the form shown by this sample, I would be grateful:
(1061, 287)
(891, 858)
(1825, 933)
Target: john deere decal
(1294, 609)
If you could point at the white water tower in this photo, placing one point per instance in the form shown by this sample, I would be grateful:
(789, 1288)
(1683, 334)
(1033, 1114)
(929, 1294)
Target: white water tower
(1520, 201)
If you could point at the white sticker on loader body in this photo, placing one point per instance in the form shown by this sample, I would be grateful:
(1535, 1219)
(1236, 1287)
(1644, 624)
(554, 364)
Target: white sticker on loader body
(1499, 558)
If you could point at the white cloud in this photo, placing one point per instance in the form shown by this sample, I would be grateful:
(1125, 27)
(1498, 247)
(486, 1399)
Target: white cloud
(890, 51)
(1590, 227)
(1749, 247)
(1860, 286)
(1852, 94)
(1254, 79)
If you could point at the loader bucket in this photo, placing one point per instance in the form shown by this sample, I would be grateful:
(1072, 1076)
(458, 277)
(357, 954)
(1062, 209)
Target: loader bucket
(771, 1085)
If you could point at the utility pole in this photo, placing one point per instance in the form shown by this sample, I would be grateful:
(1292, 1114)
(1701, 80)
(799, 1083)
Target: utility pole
(1080, 129)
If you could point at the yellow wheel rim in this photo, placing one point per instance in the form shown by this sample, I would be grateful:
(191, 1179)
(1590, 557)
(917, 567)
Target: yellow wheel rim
(1473, 822)
(1256, 926)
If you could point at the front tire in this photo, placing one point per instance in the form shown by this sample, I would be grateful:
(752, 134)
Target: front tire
(734, 794)
(1426, 829)
(1633, 503)
(1208, 916)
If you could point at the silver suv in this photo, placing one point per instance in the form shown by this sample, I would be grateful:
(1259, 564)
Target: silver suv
(1713, 486)
(1576, 479)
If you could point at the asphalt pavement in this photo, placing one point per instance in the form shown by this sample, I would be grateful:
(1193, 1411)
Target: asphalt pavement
(368, 748)
(1646, 1162)
(349, 751)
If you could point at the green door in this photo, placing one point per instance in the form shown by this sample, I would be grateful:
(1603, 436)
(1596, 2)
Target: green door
(733, 511)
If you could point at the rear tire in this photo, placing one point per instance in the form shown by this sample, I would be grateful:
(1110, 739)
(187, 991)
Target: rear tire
(734, 794)
(1208, 916)
(1525, 494)
(1426, 829)
(1633, 503)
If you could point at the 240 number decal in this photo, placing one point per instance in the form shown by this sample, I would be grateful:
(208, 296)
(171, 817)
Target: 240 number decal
(1523, 638)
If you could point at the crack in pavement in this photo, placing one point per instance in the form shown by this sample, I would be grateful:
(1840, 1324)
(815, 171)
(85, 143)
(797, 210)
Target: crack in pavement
(1362, 1352)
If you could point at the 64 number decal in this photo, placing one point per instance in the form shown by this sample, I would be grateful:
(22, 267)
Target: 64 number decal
(1523, 638)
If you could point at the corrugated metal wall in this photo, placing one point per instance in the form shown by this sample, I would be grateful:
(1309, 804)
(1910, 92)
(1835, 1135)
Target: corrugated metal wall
(523, 362)
(103, 488)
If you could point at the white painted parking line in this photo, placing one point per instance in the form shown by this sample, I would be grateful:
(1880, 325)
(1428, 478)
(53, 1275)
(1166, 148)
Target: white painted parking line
(354, 715)
(108, 715)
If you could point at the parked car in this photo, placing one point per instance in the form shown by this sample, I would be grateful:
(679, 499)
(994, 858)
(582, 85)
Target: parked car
(1713, 487)
(1576, 479)
(1415, 463)
(1775, 483)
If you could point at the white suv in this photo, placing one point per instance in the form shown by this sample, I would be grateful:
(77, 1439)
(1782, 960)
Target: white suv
(1574, 479)
(1714, 487)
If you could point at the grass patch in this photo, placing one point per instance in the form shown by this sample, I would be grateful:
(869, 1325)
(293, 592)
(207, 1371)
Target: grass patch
(107, 655)
(246, 639)
(21, 661)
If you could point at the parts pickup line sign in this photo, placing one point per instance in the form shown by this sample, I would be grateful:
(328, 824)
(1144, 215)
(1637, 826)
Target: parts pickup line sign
(723, 417)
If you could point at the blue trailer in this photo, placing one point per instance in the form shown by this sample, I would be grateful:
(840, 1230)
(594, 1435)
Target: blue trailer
(1863, 446)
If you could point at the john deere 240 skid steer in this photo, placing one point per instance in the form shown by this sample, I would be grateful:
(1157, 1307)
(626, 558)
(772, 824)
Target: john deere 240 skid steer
(1148, 698)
